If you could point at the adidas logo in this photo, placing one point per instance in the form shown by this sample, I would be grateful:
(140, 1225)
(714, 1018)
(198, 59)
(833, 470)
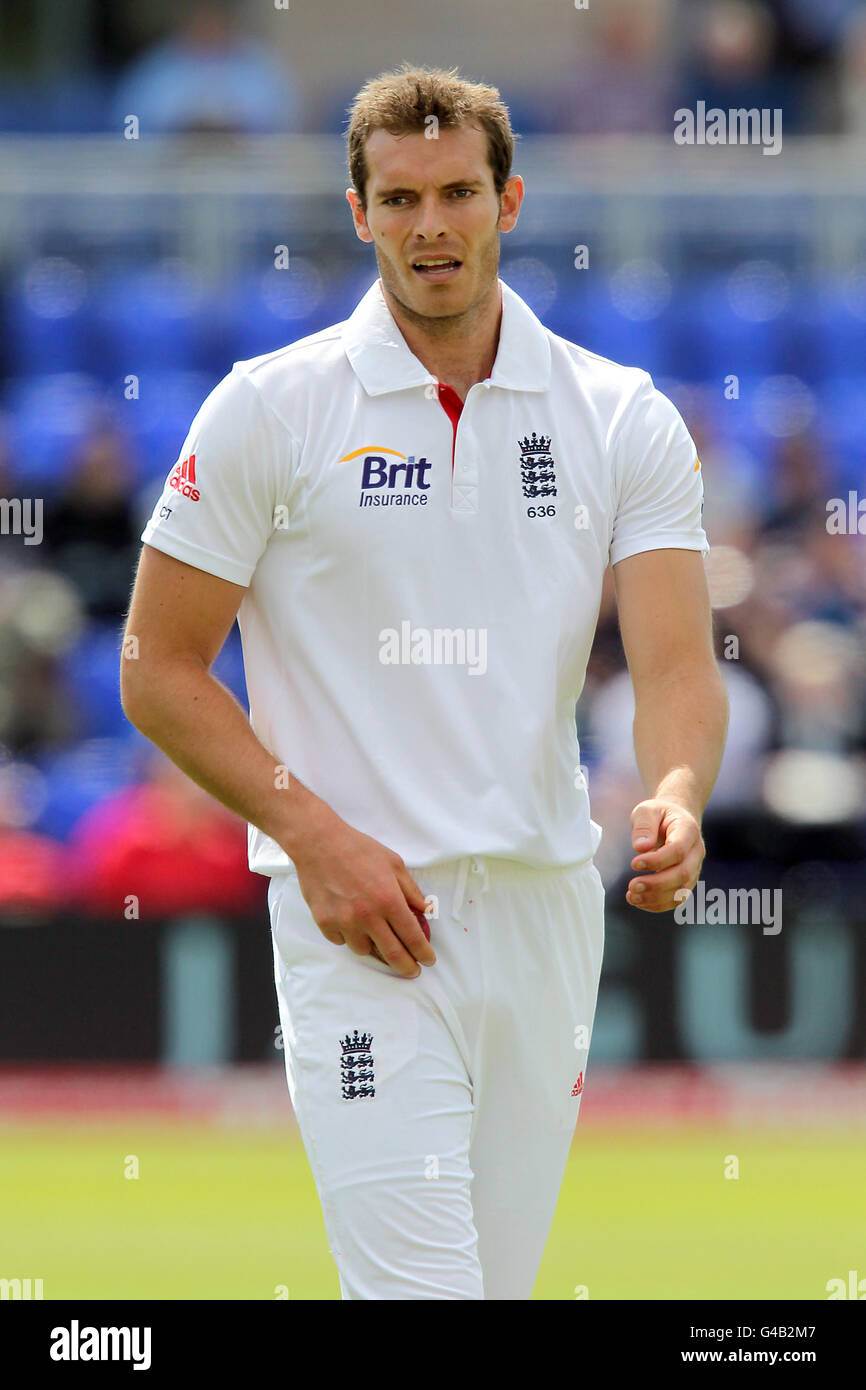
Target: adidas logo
(183, 478)
(578, 1086)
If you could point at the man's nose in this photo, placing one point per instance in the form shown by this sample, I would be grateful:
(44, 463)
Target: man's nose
(430, 221)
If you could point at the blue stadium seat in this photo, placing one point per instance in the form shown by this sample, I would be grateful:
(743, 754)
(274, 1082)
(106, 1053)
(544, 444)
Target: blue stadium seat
(50, 319)
(270, 308)
(20, 108)
(156, 317)
(536, 278)
(741, 331)
(843, 425)
(66, 105)
(345, 291)
(591, 314)
(836, 322)
(158, 422)
(735, 421)
(583, 314)
(78, 777)
(90, 673)
(229, 666)
(331, 116)
(48, 418)
(529, 114)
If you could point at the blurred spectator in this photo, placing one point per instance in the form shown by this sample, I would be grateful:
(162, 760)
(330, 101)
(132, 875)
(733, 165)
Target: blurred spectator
(615, 786)
(799, 487)
(91, 531)
(819, 24)
(40, 619)
(811, 40)
(33, 868)
(797, 577)
(819, 679)
(207, 78)
(852, 77)
(732, 62)
(33, 873)
(734, 483)
(620, 80)
(167, 843)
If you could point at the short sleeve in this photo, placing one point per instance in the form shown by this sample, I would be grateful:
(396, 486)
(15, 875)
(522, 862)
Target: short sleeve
(217, 507)
(658, 489)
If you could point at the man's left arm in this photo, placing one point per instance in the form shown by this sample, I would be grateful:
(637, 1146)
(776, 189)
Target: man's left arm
(681, 717)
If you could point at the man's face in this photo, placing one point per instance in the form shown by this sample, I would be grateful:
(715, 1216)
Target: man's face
(434, 201)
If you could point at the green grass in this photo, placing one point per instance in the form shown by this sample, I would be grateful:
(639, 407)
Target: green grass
(651, 1215)
(225, 1214)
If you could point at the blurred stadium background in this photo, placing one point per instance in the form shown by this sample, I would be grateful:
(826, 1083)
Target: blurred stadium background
(137, 262)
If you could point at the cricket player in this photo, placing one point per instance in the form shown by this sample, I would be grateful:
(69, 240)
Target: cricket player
(410, 514)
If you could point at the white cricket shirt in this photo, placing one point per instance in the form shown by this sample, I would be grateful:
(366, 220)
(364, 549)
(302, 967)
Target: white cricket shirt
(423, 589)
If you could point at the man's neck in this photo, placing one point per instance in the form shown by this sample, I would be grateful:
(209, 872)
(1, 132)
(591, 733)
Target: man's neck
(458, 351)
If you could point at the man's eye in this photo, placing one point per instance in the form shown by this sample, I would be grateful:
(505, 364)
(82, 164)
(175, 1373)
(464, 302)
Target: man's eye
(398, 198)
(468, 191)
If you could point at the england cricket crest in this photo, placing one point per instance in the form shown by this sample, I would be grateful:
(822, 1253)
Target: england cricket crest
(537, 469)
(356, 1066)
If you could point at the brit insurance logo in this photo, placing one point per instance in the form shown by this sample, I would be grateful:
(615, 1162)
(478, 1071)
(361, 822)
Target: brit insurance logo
(537, 473)
(389, 478)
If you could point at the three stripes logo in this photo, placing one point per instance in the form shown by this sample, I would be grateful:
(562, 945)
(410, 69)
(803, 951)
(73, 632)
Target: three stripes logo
(183, 479)
(577, 1088)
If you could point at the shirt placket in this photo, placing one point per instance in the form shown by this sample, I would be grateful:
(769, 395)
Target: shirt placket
(464, 458)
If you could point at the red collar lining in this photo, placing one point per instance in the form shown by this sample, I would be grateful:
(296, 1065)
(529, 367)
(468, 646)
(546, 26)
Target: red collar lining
(453, 407)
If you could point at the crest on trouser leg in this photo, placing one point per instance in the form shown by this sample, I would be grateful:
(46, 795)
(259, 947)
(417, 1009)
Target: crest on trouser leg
(356, 1066)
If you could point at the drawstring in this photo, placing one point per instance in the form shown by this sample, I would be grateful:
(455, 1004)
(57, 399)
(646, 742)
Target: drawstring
(477, 866)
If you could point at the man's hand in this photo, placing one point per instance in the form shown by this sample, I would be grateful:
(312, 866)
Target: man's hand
(362, 896)
(669, 851)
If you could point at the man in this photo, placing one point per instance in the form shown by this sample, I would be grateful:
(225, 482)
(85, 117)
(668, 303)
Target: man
(411, 513)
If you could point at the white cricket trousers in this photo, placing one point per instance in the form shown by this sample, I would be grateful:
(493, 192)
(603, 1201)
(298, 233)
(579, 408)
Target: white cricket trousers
(437, 1113)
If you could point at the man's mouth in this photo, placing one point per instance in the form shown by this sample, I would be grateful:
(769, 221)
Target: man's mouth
(436, 267)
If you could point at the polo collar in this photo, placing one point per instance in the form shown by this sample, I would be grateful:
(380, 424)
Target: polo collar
(383, 361)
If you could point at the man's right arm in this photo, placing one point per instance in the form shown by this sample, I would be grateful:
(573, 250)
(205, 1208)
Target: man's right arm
(359, 891)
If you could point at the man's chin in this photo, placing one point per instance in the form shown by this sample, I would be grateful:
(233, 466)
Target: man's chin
(443, 300)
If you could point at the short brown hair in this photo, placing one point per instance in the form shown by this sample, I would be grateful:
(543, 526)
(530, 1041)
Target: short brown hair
(400, 103)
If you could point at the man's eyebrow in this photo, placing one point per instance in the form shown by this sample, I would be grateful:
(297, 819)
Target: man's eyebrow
(446, 187)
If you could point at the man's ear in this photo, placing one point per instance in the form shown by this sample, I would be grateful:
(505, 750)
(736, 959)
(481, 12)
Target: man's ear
(359, 215)
(510, 200)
